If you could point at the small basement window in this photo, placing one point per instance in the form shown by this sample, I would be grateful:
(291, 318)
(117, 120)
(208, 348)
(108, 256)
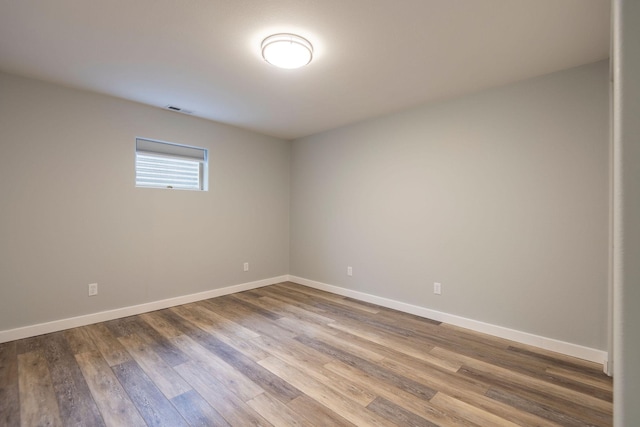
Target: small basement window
(168, 165)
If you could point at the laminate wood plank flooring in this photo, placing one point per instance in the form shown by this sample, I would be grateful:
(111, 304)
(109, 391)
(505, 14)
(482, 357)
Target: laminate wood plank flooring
(290, 355)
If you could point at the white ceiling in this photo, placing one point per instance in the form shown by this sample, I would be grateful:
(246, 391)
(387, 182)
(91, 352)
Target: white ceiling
(372, 57)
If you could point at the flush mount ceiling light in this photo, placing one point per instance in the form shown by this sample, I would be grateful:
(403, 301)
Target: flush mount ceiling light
(287, 50)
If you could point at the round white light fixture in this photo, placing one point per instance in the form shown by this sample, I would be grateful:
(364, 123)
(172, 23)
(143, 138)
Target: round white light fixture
(287, 50)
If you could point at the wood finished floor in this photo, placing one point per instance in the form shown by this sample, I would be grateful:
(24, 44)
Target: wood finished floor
(289, 355)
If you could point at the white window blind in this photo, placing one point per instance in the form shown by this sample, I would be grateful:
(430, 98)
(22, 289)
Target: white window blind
(167, 165)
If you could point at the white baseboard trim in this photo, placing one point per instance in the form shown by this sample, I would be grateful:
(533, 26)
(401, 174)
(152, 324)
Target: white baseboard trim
(574, 350)
(88, 319)
(569, 349)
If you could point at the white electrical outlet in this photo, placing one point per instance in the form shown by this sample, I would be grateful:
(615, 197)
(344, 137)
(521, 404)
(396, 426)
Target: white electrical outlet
(437, 288)
(245, 267)
(349, 271)
(93, 289)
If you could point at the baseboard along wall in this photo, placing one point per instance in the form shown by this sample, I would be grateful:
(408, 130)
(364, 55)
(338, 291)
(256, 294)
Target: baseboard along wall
(103, 316)
(569, 349)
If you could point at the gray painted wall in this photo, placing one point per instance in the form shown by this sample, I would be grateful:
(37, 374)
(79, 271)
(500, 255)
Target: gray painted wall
(70, 214)
(626, 250)
(502, 196)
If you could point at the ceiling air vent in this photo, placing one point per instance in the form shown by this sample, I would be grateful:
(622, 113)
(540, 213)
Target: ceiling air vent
(178, 109)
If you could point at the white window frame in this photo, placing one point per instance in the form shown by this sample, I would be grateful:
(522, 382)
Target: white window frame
(149, 159)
